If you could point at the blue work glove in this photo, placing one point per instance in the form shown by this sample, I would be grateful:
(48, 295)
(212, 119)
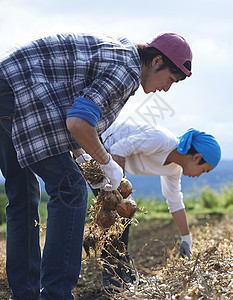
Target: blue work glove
(184, 250)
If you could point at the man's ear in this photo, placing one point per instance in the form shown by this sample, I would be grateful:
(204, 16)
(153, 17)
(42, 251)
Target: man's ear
(156, 60)
(197, 157)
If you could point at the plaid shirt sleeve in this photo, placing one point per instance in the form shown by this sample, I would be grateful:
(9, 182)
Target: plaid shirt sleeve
(110, 91)
(113, 83)
(48, 74)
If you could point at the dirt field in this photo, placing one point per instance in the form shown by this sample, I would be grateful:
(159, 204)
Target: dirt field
(149, 246)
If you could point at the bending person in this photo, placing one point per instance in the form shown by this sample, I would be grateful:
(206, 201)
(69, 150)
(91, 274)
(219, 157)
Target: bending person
(57, 94)
(153, 150)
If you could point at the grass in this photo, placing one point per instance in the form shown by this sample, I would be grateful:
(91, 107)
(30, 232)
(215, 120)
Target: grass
(209, 202)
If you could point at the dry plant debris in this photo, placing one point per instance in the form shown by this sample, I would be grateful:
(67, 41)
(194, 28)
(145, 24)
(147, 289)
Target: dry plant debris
(105, 227)
(103, 233)
(109, 215)
(2, 259)
(92, 171)
(207, 275)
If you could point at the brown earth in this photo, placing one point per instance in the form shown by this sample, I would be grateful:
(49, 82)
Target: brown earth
(150, 243)
(148, 246)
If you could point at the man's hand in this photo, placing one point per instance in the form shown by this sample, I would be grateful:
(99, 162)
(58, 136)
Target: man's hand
(112, 170)
(84, 158)
(114, 173)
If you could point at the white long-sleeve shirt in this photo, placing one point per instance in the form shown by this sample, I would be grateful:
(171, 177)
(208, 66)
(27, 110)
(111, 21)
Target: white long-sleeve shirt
(145, 149)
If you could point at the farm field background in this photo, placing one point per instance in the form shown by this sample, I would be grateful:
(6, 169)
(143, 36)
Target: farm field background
(147, 186)
(153, 245)
(153, 248)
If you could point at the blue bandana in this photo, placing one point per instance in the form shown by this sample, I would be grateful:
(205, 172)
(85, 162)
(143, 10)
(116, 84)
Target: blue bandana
(203, 143)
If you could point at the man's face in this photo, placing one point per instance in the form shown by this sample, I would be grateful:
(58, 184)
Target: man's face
(192, 169)
(154, 79)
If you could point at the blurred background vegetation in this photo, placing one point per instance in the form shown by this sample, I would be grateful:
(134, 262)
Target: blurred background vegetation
(209, 202)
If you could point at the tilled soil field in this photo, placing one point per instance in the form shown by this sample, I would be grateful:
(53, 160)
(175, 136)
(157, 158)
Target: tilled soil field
(150, 245)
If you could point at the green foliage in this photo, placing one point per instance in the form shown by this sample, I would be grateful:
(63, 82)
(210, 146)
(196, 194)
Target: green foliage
(44, 197)
(3, 203)
(227, 196)
(90, 202)
(152, 203)
(209, 202)
(191, 204)
(153, 209)
(209, 198)
(2, 189)
(43, 212)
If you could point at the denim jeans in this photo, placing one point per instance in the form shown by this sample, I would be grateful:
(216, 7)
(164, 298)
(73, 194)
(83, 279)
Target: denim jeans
(58, 270)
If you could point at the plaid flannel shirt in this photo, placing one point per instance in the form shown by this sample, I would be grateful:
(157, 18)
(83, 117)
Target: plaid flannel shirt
(46, 76)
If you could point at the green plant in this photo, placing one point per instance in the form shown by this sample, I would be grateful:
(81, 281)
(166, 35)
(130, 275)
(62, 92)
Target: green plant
(2, 189)
(227, 196)
(90, 202)
(43, 212)
(44, 197)
(3, 203)
(191, 204)
(209, 198)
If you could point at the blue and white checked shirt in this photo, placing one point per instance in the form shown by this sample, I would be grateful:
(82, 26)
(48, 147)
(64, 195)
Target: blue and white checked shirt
(48, 74)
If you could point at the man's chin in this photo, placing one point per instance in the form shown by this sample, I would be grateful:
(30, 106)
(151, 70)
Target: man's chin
(145, 91)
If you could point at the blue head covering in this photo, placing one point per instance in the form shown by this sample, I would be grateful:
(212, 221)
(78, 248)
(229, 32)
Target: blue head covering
(203, 143)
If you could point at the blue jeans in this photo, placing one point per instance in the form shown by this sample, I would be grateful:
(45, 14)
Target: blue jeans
(58, 270)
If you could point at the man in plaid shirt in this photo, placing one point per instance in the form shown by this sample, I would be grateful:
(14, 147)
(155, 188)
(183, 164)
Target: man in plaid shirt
(58, 94)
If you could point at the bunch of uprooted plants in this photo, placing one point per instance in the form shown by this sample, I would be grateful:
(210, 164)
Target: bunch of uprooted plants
(207, 275)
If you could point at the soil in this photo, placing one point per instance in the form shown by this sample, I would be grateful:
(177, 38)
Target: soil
(149, 246)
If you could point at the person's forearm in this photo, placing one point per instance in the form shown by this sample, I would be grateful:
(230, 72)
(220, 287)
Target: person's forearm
(86, 136)
(180, 220)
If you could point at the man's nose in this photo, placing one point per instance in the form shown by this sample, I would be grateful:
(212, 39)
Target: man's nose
(167, 87)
